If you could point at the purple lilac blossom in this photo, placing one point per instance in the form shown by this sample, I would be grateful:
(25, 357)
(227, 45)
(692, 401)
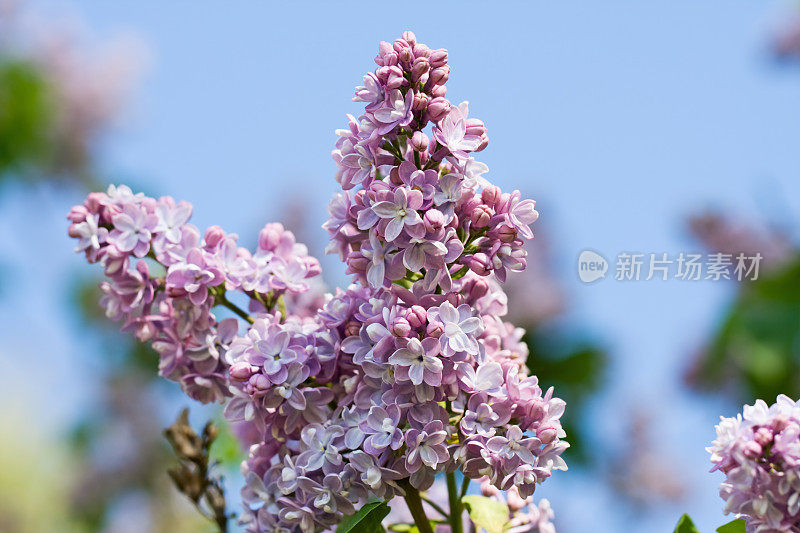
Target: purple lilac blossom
(759, 453)
(408, 373)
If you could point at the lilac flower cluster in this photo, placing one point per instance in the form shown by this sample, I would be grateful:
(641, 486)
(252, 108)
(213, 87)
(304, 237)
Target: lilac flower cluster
(381, 388)
(416, 208)
(164, 277)
(759, 453)
(409, 373)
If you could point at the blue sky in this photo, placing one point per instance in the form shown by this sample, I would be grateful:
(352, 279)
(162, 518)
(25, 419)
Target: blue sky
(620, 118)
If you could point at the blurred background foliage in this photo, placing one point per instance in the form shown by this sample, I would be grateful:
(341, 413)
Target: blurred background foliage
(755, 350)
(109, 472)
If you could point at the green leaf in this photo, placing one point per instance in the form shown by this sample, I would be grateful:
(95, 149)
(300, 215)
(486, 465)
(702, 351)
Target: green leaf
(486, 513)
(737, 526)
(685, 525)
(366, 520)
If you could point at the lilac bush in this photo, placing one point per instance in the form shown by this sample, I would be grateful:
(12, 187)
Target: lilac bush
(371, 393)
(759, 453)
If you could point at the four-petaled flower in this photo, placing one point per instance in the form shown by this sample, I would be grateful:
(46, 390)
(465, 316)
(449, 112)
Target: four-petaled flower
(459, 328)
(194, 276)
(426, 446)
(401, 213)
(419, 361)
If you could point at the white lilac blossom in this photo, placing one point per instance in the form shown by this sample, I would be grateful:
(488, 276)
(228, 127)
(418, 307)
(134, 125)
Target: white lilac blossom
(759, 453)
(409, 373)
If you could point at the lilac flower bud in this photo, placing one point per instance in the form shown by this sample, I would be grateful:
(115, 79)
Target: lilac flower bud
(420, 141)
(242, 371)
(505, 233)
(259, 382)
(404, 52)
(475, 127)
(490, 195)
(536, 411)
(480, 216)
(94, 201)
(393, 76)
(546, 434)
(416, 316)
(480, 264)
(439, 76)
(478, 129)
(270, 237)
(386, 55)
(438, 91)
(469, 205)
(437, 109)
(400, 327)
(77, 214)
(420, 102)
(477, 289)
(752, 449)
(434, 220)
(420, 67)
(434, 329)
(763, 436)
(399, 45)
(312, 265)
(421, 50)
(438, 58)
(213, 236)
(409, 37)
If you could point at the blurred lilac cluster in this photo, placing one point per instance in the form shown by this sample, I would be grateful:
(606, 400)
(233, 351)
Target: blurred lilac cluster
(408, 373)
(164, 276)
(524, 515)
(759, 453)
(86, 85)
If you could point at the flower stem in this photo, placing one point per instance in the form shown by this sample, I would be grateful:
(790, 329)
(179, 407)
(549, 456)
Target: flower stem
(222, 299)
(436, 507)
(414, 503)
(456, 509)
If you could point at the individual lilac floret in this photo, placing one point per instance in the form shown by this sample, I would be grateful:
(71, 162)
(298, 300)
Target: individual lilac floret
(418, 362)
(195, 276)
(459, 328)
(401, 212)
(382, 429)
(133, 228)
(426, 446)
(453, 133)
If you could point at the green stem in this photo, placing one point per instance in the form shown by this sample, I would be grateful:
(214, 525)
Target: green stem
(223, 300)
(456, 509)
(414, 503)
(464, 487)
(435, 506)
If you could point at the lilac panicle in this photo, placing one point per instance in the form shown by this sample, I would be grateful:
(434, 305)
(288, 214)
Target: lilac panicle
(759, 453)
(408, 373)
